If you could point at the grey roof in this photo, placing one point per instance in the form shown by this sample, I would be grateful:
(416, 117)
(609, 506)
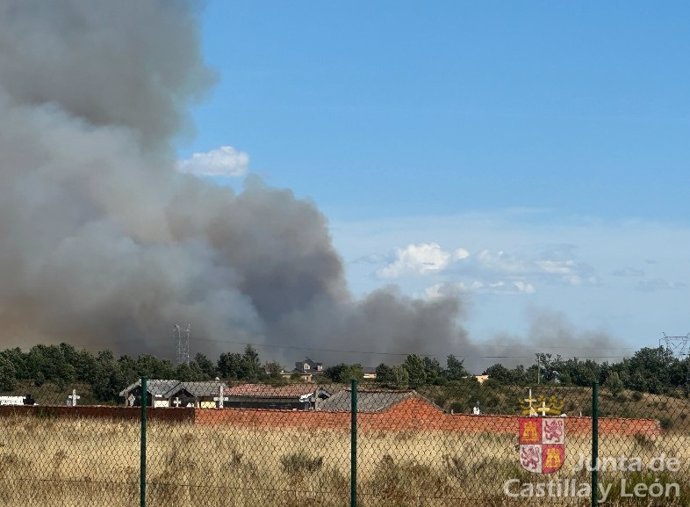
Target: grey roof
(197, 389)
(156, 387)
(367, 401)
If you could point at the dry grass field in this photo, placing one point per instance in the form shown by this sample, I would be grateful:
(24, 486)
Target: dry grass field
(58, 462)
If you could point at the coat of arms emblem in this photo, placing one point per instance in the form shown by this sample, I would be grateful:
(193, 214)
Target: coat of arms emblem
(542, 444)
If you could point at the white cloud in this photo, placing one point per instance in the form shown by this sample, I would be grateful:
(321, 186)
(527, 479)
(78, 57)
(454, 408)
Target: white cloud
(556, 267)
(496, 271)
(420, 259)
(223, 161)
(440, 290)
(524, 287)
(568, 271)
(454, 289)
(658, 284)
(460, 254)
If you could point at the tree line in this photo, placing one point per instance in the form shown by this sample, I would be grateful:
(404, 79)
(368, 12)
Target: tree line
(107, 375)
(653, 370)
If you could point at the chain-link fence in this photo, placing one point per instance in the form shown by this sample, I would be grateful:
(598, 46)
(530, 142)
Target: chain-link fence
(211, 444)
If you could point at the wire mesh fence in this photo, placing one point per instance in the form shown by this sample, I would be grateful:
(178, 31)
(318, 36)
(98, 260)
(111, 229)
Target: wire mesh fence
(211, 444)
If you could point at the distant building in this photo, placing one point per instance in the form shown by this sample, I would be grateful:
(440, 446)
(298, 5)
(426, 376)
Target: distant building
(370, 400)
(369, 373)
(290, 397)
(305, 370)
(308, 366)
(196, 394)
(173, 393)
(479, 378)
(17, 400)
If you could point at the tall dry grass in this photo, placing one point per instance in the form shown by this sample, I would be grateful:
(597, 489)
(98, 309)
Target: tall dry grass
(59, 462)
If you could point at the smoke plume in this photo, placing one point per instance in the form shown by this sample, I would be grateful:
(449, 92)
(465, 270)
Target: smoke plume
(104, 244)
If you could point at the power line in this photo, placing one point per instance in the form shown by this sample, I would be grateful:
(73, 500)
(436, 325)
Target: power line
(679, 345)
(182, 337)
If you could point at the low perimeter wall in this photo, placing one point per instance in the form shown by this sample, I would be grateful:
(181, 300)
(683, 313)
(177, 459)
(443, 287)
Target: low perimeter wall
(415, 414)
(408, 415)
(99, 412)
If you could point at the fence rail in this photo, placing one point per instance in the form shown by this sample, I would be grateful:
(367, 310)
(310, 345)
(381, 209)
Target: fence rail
(357, 444)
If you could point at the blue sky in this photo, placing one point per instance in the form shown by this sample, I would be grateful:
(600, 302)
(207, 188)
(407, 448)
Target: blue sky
(526, 156)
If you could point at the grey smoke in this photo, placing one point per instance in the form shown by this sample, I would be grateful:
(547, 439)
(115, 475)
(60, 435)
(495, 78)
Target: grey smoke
(104, 244)
(549, 332)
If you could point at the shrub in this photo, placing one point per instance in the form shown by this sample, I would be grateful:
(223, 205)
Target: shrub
(408, 482)
(300, 463)
(643, 440)
(666, 423)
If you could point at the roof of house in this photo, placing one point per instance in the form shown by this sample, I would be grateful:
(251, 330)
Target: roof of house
(197, 389)
(367, 401)
(268, 391)
(168, 387)
(156, 387)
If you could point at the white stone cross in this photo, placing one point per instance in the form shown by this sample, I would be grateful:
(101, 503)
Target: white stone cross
(177, 402)
(220, 398)
(72, 398)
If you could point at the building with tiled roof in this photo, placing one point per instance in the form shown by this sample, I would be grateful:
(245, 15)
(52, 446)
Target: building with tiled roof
(287, 397)
(370, 400)
(173, 393)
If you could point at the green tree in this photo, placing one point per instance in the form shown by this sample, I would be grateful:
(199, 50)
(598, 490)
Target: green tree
(655, 370)
(344, 373)
(432, 370)
(229, 365)
(400, 376)
(273, 373)
(455, 369)
(415, 370)
(110, 379)
(206, 366)
(384, 374)
(86, 367)
(152, 367)
(250, 365)
(499, 373)
(614, 384)
(18, 360)
(8, 374)
(189, 372)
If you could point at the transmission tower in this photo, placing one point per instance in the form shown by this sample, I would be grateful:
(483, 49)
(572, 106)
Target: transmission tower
(181, 335)
(679, 346)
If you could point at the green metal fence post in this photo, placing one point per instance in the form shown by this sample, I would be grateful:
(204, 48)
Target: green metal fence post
(353, 444)
(595, 443)
(142, 448)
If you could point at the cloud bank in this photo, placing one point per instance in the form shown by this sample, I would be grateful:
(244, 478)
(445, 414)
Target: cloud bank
(499, 272)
